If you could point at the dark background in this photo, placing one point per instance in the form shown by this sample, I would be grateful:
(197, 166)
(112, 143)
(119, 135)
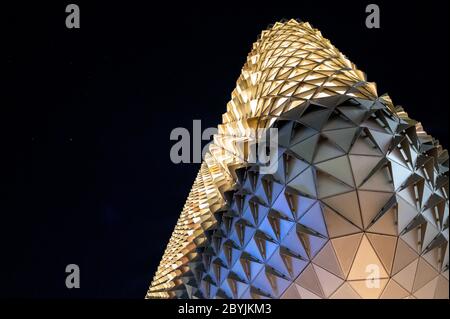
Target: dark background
(85, 124)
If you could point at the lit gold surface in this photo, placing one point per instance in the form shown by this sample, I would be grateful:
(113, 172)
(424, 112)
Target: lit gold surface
(291, 63)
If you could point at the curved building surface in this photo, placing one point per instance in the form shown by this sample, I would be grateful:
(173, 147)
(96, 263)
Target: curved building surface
(355, 205)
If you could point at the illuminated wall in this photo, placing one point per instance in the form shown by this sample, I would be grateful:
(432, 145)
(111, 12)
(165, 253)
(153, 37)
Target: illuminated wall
(357, 206)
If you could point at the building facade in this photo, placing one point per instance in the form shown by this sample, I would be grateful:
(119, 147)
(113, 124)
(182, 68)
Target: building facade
(355, 204)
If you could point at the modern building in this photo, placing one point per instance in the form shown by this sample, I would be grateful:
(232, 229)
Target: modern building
(355, 205)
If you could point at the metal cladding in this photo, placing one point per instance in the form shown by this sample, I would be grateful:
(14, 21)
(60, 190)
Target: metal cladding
(357, 205)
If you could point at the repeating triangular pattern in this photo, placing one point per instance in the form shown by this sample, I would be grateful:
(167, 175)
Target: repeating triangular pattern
(357, 206)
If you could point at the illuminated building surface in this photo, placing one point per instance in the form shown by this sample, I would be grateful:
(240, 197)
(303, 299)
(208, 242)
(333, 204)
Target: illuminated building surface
(357, 206)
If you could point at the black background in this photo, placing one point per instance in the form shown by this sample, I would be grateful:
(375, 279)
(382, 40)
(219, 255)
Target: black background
(85, 126)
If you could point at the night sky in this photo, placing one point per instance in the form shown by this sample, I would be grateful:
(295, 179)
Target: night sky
(88, 178)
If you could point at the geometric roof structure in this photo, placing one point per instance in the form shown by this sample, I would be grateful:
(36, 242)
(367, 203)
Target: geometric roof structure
(356, 205)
